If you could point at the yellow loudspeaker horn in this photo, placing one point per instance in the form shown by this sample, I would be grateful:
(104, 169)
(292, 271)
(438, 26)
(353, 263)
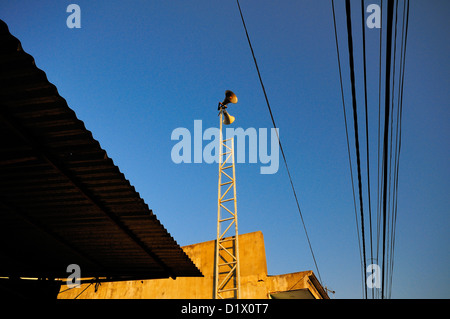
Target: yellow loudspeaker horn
(230, 97)
(228, 119)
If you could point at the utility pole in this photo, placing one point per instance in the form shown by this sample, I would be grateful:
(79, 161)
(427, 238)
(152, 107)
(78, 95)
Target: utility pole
(227, 274)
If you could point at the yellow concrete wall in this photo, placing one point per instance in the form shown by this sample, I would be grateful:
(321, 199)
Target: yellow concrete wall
(255, 283)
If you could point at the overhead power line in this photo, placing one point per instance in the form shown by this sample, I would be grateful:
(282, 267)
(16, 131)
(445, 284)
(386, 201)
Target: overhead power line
(390, 12)
(356, 129)
(278, 137)
(393, 147)
(348, 142)
(363, 27)
(388, 164)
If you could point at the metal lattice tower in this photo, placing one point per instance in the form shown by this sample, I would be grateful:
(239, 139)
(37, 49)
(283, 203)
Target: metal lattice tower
(227, 274)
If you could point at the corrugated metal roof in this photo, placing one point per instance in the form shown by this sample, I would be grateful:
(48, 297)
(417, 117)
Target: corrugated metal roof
(62, 199)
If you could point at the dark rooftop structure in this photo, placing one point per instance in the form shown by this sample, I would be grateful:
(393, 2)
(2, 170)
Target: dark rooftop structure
(62, 199)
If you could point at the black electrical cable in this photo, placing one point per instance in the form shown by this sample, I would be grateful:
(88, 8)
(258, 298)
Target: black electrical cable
(389, 214)
(279, 141)
(378, 135)
(355, 122)
(348, 143)
(83, 290)
(397, 144)
(363, 26)
(386, 133)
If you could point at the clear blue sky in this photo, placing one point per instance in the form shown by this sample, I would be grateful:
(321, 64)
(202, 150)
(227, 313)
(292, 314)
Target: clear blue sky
(137, 70)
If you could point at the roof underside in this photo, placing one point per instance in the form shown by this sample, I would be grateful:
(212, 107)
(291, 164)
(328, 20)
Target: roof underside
(303, 293)
(62, 199)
